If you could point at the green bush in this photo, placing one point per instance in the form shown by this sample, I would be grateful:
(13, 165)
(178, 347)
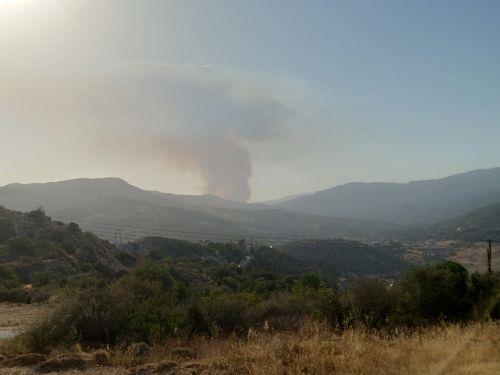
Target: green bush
(227, 314)
(16, 295)
(7, 230)
(21, 246)
(432, 294)
(333, 309)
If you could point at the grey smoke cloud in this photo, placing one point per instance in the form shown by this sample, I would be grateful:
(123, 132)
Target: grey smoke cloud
(194, 116)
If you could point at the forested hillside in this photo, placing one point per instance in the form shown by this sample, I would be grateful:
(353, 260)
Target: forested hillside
(349, 258)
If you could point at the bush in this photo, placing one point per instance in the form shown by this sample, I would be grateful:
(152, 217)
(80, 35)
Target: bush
(333, 310)
(21, 246)
(7, 230)
(432, 294)
(38, 217)
(73, 228)
(280, 312)
(227, 314)
(15, 295)
(370, 302)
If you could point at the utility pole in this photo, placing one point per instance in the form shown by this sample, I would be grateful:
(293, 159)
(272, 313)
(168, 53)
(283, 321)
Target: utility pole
(489, 256)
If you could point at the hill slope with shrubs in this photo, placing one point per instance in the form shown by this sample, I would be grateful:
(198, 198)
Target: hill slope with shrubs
(349, 258)
(37, 252)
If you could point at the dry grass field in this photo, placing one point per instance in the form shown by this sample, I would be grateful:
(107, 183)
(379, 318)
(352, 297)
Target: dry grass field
(15, 317)
(451, 349)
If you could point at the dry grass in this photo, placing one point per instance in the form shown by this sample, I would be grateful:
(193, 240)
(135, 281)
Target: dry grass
(16, 317)
(21, 315)
(474, 349)
(445, 350)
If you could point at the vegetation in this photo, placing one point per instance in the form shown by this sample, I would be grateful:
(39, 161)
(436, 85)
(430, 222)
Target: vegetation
(349, 258)
(38, 256)
(181, 298)
(160, 291)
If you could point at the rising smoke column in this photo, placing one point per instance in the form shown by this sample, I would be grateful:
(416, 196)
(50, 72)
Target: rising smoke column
(193, 116)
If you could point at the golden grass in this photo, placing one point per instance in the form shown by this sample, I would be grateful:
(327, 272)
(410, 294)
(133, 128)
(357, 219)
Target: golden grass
(451, 349)
(473, 349)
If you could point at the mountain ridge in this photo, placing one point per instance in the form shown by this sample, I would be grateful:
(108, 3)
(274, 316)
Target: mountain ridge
(423, 201)
(95, 203)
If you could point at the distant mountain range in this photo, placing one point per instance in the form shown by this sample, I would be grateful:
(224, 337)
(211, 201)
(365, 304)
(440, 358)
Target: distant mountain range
(112, 208)
(426, 201)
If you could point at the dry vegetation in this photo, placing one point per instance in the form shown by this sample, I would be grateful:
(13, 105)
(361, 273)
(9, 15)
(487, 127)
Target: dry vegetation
(472, 255)
(450, 349)
(15, 317)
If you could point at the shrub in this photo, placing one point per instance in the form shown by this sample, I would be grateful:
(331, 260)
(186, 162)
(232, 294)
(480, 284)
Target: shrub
(333, 310)
(370, 302)
(16, 295)
(7, 230)
(73, 228)
(21, 246)
(430, 294)
(38, 216)
(280, 312)
(227, 314)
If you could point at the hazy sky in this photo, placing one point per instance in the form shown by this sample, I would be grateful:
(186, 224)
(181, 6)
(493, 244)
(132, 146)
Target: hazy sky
(237, 98)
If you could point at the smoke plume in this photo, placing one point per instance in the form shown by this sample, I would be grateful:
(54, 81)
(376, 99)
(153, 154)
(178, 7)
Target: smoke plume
(193, 116)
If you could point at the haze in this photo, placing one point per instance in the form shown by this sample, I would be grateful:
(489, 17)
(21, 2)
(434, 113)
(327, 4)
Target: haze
(247, 100)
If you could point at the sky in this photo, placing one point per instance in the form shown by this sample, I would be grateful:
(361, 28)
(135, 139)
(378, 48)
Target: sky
(248, 100)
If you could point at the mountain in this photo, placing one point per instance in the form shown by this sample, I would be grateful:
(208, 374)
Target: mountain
(114, 209)
(62, 194)
(414, 202)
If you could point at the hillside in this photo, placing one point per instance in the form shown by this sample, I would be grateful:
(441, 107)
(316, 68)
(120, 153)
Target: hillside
(414, 202)
(348, 258)
(477, 225)
(37, 250)
(330, 257)
(106, 206)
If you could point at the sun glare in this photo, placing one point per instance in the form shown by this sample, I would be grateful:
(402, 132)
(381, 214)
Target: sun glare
(11, 3)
